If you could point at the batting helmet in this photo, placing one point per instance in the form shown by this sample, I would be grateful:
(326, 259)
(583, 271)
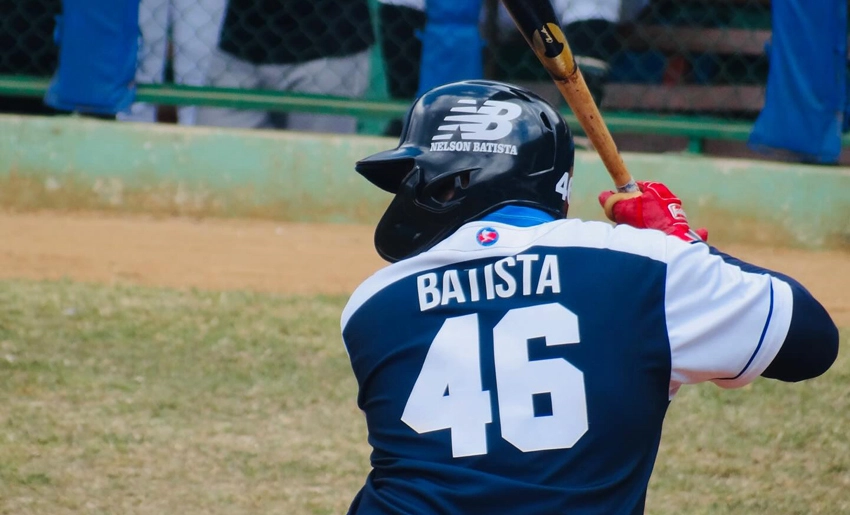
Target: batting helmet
(467, 149)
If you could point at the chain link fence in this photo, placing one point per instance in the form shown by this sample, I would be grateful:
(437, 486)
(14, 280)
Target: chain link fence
(703, 57)
(694, 57)
(27, 47)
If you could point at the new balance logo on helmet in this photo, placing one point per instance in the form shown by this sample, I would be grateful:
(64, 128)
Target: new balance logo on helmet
(490, 122)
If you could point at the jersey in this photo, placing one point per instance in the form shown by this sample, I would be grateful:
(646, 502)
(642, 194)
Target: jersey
(529, 369)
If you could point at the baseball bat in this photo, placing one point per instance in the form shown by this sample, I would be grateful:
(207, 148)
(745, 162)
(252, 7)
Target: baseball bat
(539, 26)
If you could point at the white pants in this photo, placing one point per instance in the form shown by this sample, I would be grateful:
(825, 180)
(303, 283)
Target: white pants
(346, 76)
(195, 27)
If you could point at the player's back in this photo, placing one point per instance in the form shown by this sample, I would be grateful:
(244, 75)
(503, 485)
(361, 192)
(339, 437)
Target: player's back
(514, 370)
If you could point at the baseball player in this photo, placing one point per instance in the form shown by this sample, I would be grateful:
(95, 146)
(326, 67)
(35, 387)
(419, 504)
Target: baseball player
(511, 360)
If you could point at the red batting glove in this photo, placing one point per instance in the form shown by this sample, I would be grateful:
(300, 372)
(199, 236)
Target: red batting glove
(656, 207)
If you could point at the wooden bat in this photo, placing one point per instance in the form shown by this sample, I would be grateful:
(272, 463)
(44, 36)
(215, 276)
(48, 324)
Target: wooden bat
(539, 26)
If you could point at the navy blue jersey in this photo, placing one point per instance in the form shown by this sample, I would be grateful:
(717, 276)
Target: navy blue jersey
(528, 369)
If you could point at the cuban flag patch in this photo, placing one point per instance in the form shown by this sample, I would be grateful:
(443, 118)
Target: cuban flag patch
(487, 236)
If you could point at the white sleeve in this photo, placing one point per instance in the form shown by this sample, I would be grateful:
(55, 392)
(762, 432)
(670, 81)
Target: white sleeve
(725, 325)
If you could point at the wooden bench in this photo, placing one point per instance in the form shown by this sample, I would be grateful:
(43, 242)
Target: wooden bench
(681, 39)
(657, 37)
(683, 98)
(670, 39)
(678, 43)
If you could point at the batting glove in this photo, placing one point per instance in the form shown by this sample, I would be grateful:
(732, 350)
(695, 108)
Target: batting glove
(655, 207)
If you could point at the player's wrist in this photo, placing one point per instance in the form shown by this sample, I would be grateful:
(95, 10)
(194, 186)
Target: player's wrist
(656, 207)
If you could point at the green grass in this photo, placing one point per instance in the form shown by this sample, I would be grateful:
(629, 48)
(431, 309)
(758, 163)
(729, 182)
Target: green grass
(131, 400)
(135, 400)
(770, 447)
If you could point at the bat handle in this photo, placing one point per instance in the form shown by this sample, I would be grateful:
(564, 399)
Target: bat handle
(575, 91)
(629, 187)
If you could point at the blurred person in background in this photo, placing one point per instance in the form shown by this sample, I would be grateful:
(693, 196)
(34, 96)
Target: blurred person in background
(427, 44)
(192, 27)
(589, 25)
(306, 46)
(400, 22)
(451, 43)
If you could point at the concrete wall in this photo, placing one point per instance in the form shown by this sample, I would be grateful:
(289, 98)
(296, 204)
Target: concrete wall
(77, 163)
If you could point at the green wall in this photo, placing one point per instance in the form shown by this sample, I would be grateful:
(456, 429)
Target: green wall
(80, 163)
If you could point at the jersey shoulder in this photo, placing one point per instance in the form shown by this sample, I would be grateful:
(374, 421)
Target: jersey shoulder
(483, 239)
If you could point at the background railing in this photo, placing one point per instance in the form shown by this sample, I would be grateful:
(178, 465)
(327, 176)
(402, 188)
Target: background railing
(690, 68)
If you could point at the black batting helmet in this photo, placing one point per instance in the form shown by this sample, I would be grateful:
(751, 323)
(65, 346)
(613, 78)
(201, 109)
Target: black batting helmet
(467, 149)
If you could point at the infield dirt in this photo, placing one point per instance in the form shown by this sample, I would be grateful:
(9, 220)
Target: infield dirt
(259, 255)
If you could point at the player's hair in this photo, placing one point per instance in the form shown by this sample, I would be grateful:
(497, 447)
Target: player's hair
(467, 149)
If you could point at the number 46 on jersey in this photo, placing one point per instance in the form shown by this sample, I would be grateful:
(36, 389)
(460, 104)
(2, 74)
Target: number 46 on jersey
(448, 393)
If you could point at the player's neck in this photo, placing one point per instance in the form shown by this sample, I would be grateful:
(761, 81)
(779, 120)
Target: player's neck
(520, 216)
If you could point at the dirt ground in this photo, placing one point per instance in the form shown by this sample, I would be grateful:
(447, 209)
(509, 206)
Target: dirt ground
(275, 257)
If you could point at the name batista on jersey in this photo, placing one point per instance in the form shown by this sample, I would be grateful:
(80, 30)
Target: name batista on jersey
(478, 127)
(508, 277)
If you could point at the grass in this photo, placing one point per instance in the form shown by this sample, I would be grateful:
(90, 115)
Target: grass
(131, 400)
(135, 400)
(770, 447)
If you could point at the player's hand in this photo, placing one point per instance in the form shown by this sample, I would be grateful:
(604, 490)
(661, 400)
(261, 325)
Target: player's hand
(655, 207)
